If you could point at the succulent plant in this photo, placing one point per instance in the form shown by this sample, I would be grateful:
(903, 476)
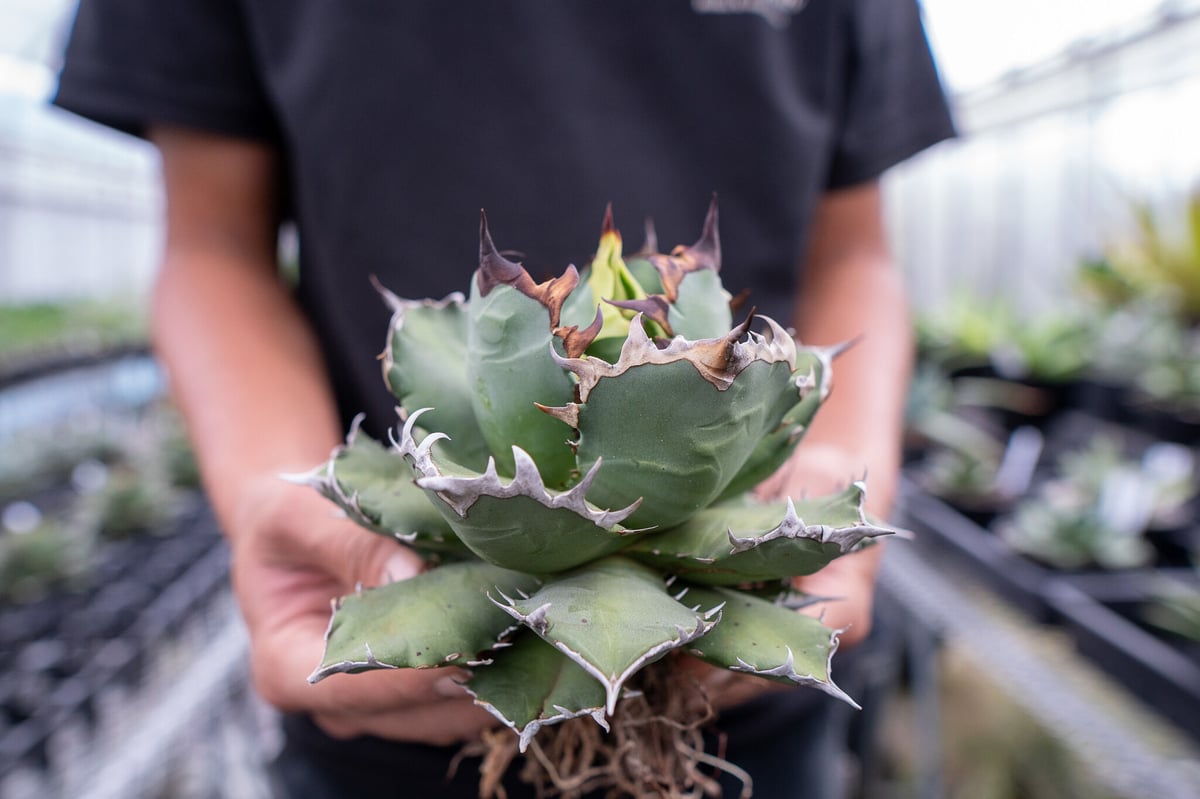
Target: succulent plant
(575, 459)
(1097, 509)
(47, 556)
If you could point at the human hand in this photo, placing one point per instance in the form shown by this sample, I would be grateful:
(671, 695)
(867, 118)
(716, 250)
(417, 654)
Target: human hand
(291, 556)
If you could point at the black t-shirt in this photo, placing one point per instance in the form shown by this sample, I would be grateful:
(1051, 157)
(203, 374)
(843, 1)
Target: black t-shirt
(398, 121)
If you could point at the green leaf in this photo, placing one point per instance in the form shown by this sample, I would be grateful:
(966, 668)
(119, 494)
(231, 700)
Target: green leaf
(612, 617)
(580, 307)
(376, 489)
(425, 366)
(510, 372)
(519, 523)
(702, 308)
(520, 532)
(441, 617)
(530, 685)
(812, 378)
(669, 436)
(610, 279)
(648, 278)
(767, 640)
(739, 542)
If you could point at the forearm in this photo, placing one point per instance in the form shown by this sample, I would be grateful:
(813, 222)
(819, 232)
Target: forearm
(863, 302)
(851, 292)
(245, 370)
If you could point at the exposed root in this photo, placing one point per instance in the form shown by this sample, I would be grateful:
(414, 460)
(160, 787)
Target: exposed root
(655, 748)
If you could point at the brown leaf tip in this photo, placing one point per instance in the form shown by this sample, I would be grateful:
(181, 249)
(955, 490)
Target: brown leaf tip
(704, 254)
(496, 270)
(649, 241)
(655, 307)
(576, 341)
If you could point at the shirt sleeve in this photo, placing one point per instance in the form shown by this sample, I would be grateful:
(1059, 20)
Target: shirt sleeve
(132, 63)
(894, 105)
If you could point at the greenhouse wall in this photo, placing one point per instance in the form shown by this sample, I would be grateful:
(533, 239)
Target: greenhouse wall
(1048, 164)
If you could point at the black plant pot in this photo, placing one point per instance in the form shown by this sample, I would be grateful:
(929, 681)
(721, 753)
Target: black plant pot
(1102, 617)
(1176, 547)
(1105, 400)
(1165, 423)
(943, 531)
(1016, 401)
(1017, 578)
(66, 649)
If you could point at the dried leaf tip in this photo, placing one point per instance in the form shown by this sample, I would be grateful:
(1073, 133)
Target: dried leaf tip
(496, 270)
(704, 254)
(707, 249)
(650, 240)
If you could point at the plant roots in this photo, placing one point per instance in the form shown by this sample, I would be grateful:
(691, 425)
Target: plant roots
(655, 748)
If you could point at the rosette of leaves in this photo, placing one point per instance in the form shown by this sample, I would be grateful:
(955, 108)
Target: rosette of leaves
(575, 459)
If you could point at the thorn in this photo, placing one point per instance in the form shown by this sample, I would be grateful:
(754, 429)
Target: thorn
(650, 242)
(837, 349)
(393, 301)
(537, 618)
(494, 268)
(507, 599)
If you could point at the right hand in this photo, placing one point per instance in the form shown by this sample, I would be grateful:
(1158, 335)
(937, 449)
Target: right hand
(292, 555)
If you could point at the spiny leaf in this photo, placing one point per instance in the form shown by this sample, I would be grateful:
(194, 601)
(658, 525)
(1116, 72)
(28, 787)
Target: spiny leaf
(519, 523)
(425, 365)
(812, 378)
(674, 425)
(739, 542)
(375, 488)
(612, 617)
(531, 685)
(509, 336)
(441, 617)
(760, 638)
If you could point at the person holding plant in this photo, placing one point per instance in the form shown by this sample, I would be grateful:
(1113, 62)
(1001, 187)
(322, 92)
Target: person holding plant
(377, 130)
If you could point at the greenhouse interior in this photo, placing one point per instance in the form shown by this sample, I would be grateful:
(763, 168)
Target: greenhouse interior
(1037, 619)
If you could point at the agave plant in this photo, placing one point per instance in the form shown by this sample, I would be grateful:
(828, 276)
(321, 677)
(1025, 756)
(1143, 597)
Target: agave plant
(575, 460)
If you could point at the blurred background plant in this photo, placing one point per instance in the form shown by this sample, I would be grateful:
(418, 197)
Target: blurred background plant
(1174, 607)
(45, 332)
(65, 492)
(1096, 510)
(1160, 263)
